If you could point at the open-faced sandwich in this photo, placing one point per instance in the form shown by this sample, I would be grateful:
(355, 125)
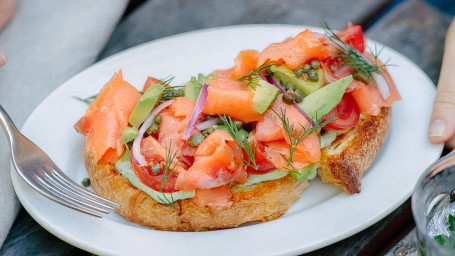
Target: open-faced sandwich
(240, 145)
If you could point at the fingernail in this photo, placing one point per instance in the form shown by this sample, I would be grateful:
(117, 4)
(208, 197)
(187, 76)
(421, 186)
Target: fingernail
(437, 128)
(3, 58)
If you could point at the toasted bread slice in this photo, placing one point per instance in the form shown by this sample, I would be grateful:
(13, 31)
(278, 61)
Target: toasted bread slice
(256, 203)
(345, 160)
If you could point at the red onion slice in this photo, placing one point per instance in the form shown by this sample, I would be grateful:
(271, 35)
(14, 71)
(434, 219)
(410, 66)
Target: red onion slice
(274, 83)
(207, 124)
(382, 84)
(196, 112)
(138, 158)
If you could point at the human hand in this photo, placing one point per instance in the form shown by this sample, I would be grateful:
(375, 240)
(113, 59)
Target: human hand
(442, 124)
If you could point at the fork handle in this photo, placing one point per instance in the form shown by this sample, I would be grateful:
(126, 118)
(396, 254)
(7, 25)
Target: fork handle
(10, 129)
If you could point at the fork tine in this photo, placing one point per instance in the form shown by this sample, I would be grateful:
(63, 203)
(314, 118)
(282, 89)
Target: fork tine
(77, 189)
(64, 189)
(37, 185)
(64, 182)
(53, 193)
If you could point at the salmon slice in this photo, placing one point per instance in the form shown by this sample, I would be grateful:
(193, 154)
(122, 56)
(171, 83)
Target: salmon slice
(219, 196)
(245, 62)
(107, 117)
(215, 164)
(174, 121)
(276, 141)
(295, 51)
(233, 102)
(226, 83)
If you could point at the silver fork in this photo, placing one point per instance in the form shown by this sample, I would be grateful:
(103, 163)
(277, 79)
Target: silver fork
(41, 173)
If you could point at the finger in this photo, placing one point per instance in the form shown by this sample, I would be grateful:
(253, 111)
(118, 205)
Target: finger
(3, 58)
(442, 124)
(451, 143)
(6, 11)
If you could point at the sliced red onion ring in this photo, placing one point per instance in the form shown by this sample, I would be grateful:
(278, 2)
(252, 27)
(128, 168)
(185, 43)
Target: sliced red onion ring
(207, 124)
(273, 82)
(138, 158)
(196, 112)
(382, 84)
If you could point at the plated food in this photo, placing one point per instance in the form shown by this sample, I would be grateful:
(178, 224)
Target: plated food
(240, 145)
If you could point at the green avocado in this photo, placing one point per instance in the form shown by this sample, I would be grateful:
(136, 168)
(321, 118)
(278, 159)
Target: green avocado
(129, 134)
(123, 166)
(264, 95)
(284, 75)
(192, 88)
(321, 102)
(259, 178)
(145, 105)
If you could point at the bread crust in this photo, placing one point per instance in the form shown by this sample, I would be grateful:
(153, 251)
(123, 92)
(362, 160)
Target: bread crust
(256, 203)
(345, 161)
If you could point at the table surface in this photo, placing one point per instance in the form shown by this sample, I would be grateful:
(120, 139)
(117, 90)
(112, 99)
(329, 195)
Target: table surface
(414, 28)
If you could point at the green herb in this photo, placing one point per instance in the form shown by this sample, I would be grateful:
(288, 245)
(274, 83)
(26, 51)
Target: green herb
(350, 56)
(295, 136)
(168, 171)
(255, 73)
(87, 100)
(241, 141)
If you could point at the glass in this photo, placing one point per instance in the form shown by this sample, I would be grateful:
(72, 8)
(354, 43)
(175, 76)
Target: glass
(431, 205)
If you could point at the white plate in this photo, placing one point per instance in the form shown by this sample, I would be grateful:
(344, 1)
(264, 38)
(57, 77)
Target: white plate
(321, 217)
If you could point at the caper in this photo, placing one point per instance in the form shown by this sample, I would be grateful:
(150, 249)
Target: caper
(86, 182)
(153, 128)
(362, 77)
(312, 75)
(209, 130)
(314, 64)
(298, 73)
(208, 118)
(196, 140)
(156, 169)
(298, 96)
(288, 97)
(306, 68)
(287, 86)
(157, 119)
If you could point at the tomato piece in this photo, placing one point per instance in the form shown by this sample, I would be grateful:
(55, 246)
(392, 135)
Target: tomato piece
(344, 116)
(146, 176)
(264, 165)
(150, 80)
(353, 35)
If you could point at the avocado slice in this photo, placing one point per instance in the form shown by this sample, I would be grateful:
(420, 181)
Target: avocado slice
(145, 105)
(192, 88)
(264, 95)
(321, 102)
(129, 134)
(285, 75)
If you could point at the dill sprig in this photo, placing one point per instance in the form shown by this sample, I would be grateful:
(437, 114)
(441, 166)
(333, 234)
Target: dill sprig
(169, 167)
(241, 142)
(295, 136)
(255, 73)
(351, 56)
(87, 100)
